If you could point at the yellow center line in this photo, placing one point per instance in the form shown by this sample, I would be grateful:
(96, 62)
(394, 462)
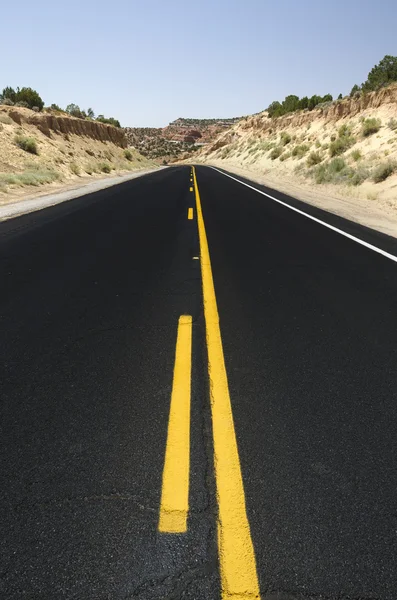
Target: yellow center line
(190, 214)
(239, 579)
(174, 505)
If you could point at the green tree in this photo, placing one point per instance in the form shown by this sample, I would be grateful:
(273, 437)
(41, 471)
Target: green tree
(382, 74)
(304, 102)
(340, 97)
(74, 111)
(31, 97)
(356, 88)
(291, 103)
(9, 93)
(313, 101)
(90, 113)
(274, 108)
(327, 98)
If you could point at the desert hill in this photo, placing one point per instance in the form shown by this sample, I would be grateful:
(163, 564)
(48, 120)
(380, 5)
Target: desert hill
(345, 148)
(51, 147)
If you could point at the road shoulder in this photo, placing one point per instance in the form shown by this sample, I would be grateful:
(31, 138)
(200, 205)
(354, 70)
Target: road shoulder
(354, 209)
(32, 203)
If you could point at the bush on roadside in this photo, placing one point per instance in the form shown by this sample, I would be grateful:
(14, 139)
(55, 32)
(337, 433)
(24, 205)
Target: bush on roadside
(35, 175)
(360, 175)
(384, 171)
(314, 158)
(27, 144)
(74, 167)
(104, 167)
(340, 145)
(344, 130)
(370, 126)
(276, 152)
(392, 124)
(285, 138)
(300, 151)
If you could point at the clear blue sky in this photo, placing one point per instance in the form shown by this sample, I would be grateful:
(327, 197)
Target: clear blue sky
(148, 62)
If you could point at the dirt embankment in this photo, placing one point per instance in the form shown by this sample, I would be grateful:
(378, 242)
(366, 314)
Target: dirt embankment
(342, 156)
(42, 151)
(51, 123)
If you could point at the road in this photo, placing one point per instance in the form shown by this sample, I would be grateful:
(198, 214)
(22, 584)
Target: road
(247, 449)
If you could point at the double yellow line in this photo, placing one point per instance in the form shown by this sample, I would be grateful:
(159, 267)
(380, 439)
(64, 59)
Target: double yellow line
(239, 578)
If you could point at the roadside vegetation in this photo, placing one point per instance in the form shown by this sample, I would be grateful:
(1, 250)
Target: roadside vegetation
(28, 98)
(28, 144)
(382, 75)
(34, 175)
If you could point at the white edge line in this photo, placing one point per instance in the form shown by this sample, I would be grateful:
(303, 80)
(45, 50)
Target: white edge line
(301, 212)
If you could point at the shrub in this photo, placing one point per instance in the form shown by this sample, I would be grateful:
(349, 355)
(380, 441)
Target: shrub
(285, 156)
(276, 152)
(383, 171)
(104, 167)
(7, 102)
(314, 158)
(335, 171)
(340, 145)
(318, 145)
(321, 174)
(336, 165)
(74, 167)
(370, 126)
(392, 124)
(22, 104)
(56, 107)
(108, 121)
(34, 175)
(285, 138)
(27, 144)
(356, 154)
(300, 151)
(344, 130)
(360, 175)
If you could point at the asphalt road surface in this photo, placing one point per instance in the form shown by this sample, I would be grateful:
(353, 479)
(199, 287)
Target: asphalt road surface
(101, 430)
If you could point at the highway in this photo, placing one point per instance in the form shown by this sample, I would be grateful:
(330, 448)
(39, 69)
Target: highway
(198, 397)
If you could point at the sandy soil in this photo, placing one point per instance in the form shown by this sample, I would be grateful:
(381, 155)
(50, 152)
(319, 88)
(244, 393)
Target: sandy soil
(75, 159)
